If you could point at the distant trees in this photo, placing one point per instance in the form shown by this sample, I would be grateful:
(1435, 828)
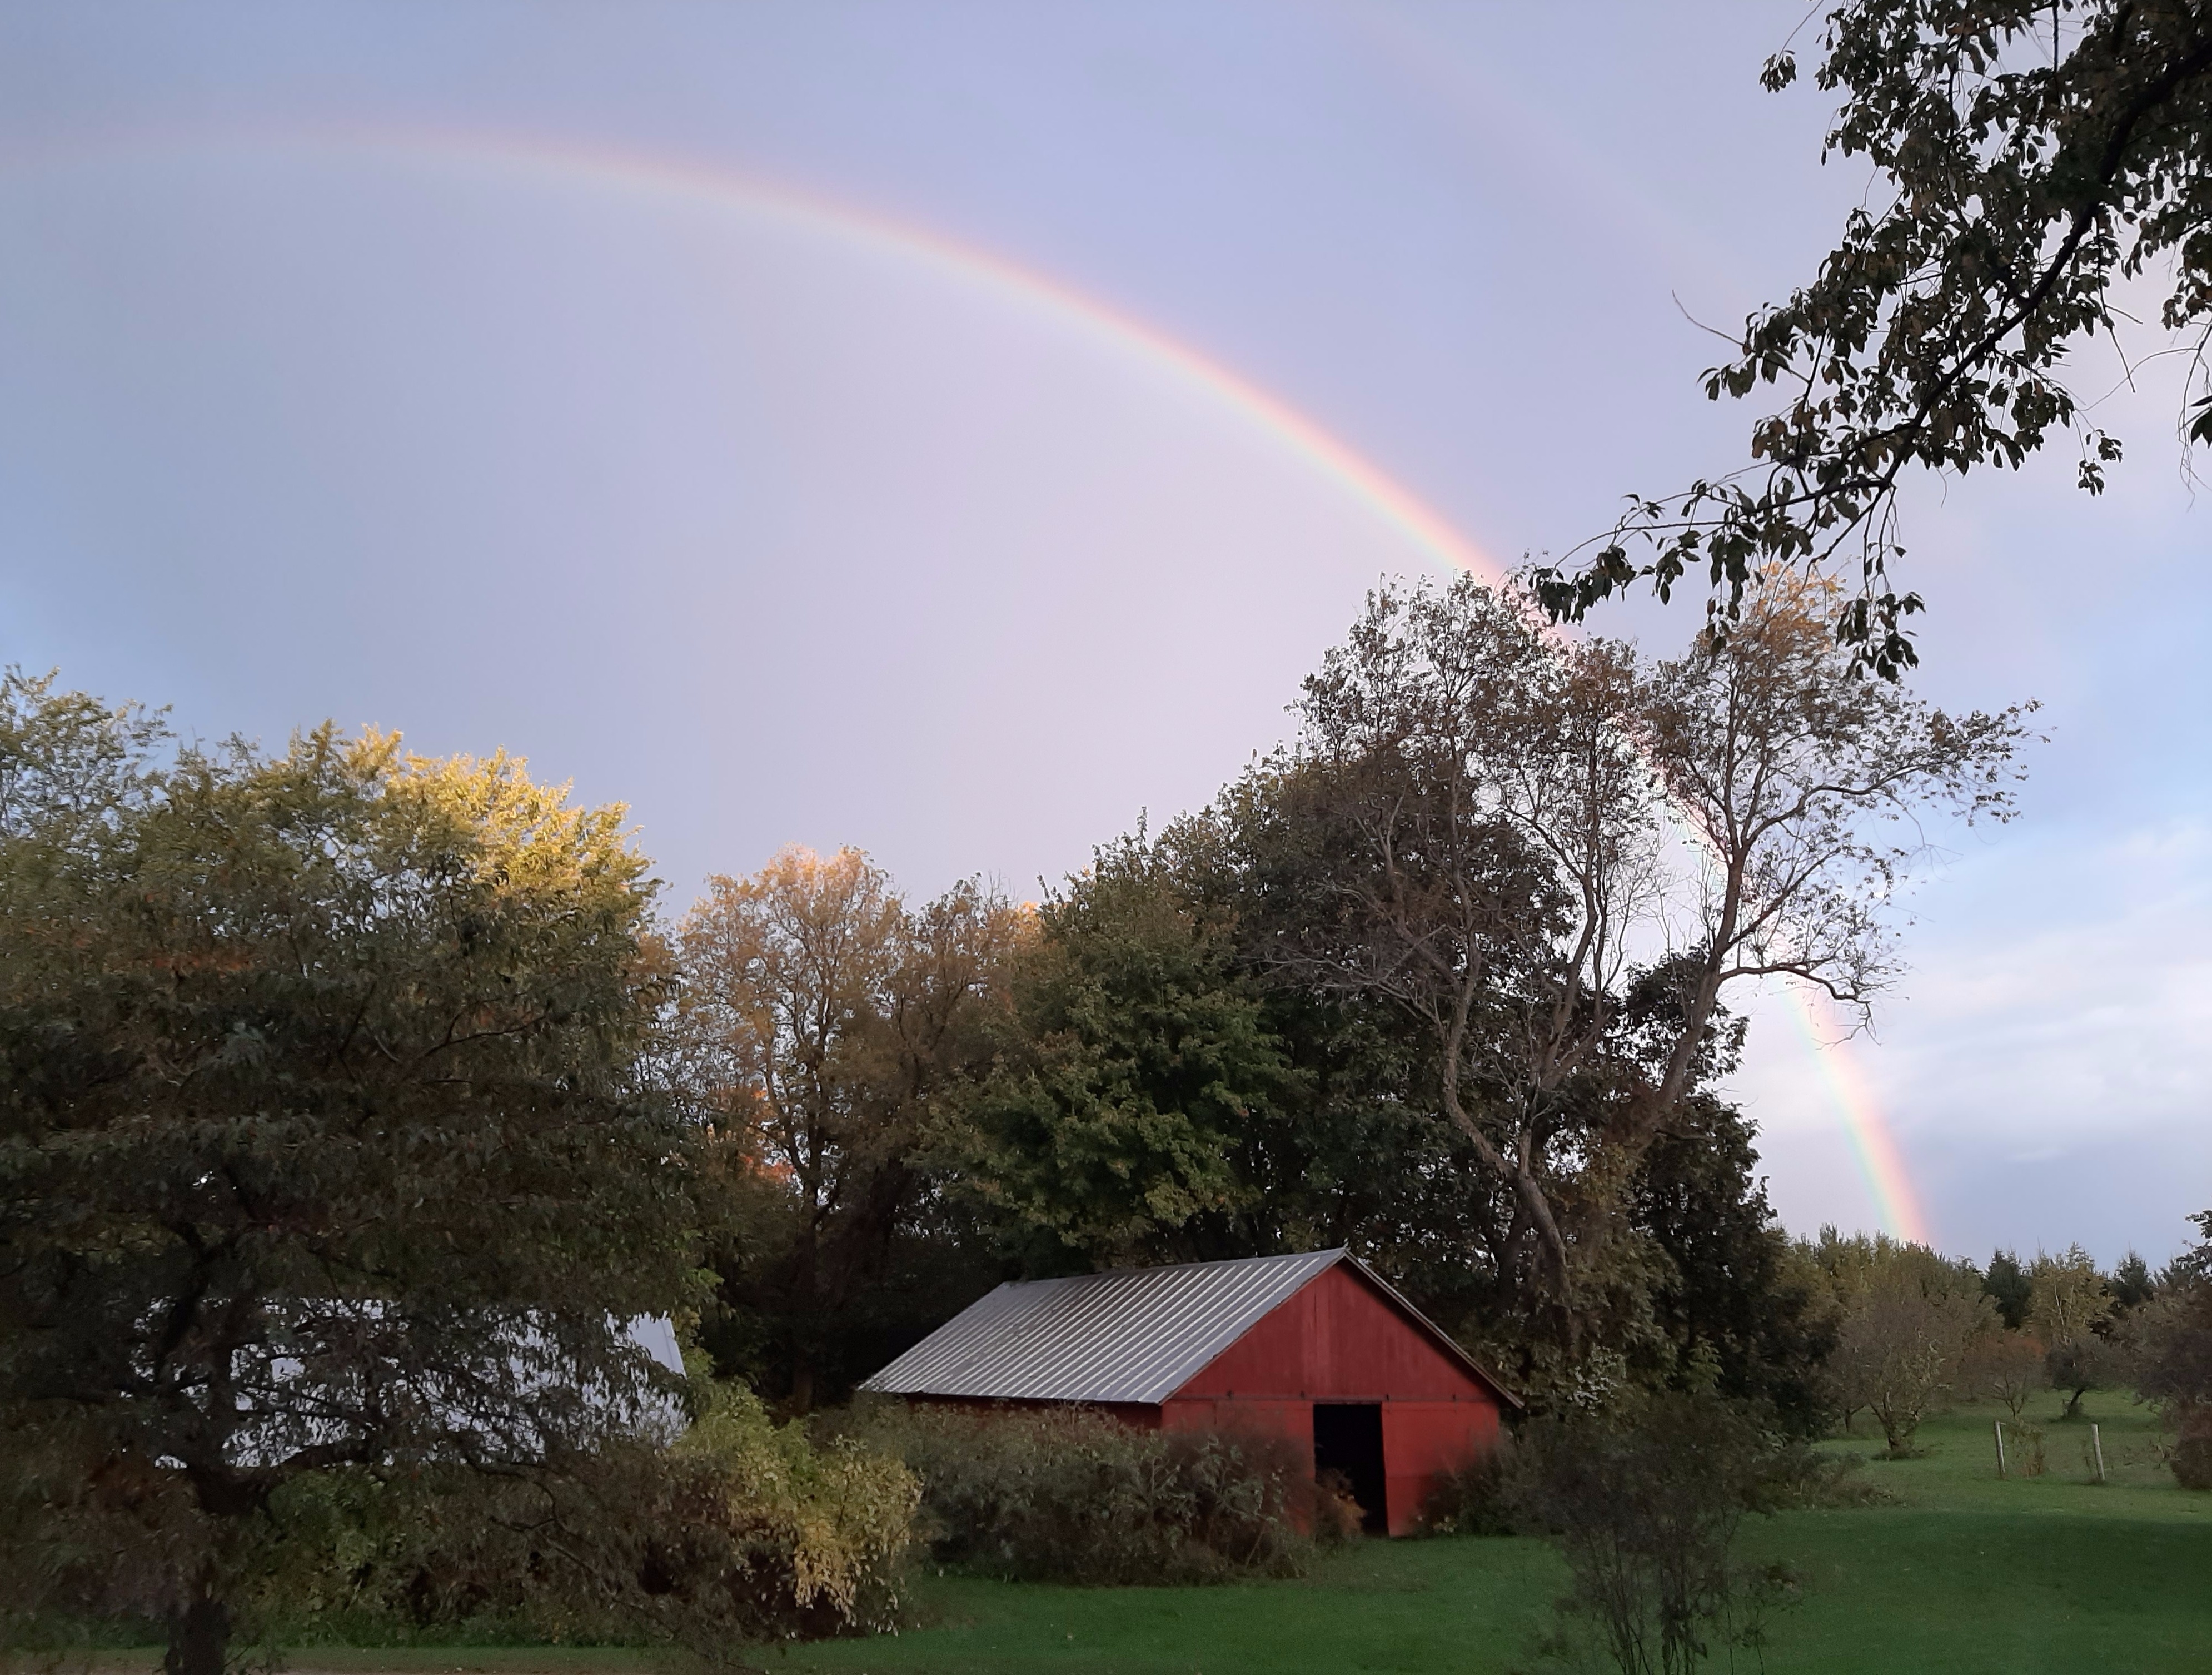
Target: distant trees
(2173, 1362)
(2005, 1366)
(818, 1021)
(1907, 1319)
(328, 1145)
(2070, 1309)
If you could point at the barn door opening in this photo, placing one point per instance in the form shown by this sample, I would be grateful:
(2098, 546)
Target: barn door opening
(1348, 1441)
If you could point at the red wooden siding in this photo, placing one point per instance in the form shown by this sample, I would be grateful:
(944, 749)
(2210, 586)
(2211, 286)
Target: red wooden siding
(1335, 1339)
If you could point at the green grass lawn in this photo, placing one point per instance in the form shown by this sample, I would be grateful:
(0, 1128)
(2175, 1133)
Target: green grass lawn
(1964, 1574)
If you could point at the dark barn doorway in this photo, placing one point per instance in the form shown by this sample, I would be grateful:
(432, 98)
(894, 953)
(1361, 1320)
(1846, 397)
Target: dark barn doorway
(1348, 1441)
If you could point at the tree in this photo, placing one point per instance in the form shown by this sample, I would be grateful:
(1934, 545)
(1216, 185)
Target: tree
(2005, 1366)
(2069, 1308)
(327, 1145)
(1462, 833)
(1907, 1318)
(2035, 154)
(2132, 1284)
(1740, 1305)
(1136, 1082)
(2005, 1284)
(1468, 834)
(1807, 788)
(820, 1020)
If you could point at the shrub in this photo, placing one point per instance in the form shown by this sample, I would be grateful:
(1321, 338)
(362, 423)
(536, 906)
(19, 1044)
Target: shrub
(1643, 1505)
(1473, 1500)
(1075, 1496)
(743, 1532)
(2192, 1459)
(2174, 1364)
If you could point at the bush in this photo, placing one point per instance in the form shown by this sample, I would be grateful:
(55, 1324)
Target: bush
(1075, 1496)
(2174, 1364)
(1644, 1504)
(1473, 1500)
(2192, 1460)
(743, 1532)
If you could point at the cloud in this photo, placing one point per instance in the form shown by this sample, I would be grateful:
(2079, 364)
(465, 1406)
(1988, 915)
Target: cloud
(2047, 1069)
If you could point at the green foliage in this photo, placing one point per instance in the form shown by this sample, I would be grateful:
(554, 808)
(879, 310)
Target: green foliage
(1906, 1318)
(2005, 1283)
(1473, 1500)
(743, 1533)
(1081, 1497)
(1644, 1503)
(2031, 157)
(1137, 1072)
(1740, 1306)
(326, 1142)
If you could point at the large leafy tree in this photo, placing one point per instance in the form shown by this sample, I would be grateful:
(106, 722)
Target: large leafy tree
(821, 1020)
(1550, 864)
(325, 1144)
(1135, 1107)
(2033, 156)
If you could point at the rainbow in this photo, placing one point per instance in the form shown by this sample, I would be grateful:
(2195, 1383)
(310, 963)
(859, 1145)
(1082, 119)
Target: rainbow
(679, 181)
(639, 174)
(1881, 1165)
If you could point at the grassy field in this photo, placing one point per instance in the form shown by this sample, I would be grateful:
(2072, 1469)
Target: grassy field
(1963, 1574)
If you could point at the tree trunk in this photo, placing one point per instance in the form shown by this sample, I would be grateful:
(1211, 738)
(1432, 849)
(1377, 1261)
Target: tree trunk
(199, 1638)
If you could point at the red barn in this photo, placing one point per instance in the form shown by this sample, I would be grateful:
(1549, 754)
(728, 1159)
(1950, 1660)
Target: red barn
(1316, 1347)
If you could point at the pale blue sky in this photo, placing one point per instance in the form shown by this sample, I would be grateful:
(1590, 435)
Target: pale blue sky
(317, 397)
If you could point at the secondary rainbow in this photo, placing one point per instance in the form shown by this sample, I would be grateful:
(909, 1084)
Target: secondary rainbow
(680, 181)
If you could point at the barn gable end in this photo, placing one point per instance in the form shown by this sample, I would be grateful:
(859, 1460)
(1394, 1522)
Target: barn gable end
(1342, 1337)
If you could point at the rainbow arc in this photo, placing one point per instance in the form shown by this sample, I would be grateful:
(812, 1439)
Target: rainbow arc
(640, 175)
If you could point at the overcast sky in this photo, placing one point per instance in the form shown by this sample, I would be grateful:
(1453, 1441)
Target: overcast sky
(795, 421)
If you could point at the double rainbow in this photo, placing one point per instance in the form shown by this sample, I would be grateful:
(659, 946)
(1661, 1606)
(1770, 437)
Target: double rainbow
(641, 175)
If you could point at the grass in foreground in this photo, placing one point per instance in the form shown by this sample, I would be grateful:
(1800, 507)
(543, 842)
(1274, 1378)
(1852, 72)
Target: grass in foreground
(1963, 1574)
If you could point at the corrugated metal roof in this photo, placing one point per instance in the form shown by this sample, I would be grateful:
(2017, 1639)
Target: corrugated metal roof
(1133, 1335)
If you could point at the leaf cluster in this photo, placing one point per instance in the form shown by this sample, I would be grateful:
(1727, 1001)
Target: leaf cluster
(2035, 154)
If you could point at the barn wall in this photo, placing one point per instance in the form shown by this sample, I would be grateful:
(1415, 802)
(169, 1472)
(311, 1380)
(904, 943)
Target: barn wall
(1421, 1442)
(1293, 1420)
(1336, 1339)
